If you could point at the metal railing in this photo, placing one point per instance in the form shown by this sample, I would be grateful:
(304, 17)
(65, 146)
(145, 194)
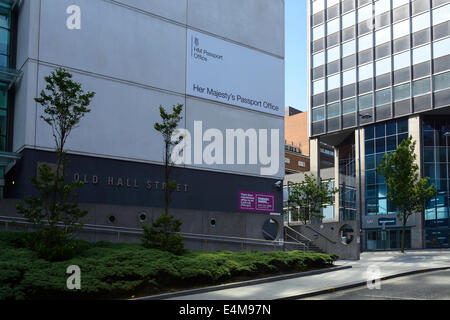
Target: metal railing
(297, 233)
(194, 236)
(320, 234)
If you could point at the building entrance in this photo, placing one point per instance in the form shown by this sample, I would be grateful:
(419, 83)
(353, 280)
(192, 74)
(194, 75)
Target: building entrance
(387, 239)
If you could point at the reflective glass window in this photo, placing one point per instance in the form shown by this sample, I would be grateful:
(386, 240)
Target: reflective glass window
(365, 42)
(334, 82)
(349, 48)
(441, 14)
(318, 5)
(318, 59)
(349, 77)
(318, 114)
(332, 26)
(442, 81)
(421, 54)
(421, 87)
(420, 22)
(366, 101)
(382, 6)
(365, 72)
(441, 48)
(383, 36)
(402, 60)
(333, 54)
(399, 3)
(319, 86)
(401, 29)
(383, 97)
(364, 13)
(318, 32)
(402, 92)
(383, 66)
(348, 20)
(348, 106)
(333, 110)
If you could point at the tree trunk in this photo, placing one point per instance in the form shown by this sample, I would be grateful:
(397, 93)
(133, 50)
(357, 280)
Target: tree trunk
(405, 217)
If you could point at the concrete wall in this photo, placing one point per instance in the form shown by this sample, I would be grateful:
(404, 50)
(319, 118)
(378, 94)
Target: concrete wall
(194, 222)
(326, 236)
(132, 53)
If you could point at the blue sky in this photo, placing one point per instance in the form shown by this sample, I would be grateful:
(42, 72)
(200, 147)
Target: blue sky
(296, 54)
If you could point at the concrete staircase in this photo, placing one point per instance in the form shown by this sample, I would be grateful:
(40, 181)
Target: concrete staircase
(294, 240)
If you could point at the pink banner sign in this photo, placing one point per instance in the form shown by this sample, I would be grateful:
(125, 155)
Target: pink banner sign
(256, 201)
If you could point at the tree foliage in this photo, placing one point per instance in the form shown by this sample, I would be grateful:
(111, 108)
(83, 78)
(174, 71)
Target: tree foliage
(307, 198)
(55, 213)
(408, 193)
(163, 233)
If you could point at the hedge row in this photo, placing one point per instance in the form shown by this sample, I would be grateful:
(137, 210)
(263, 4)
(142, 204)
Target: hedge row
(124, 270)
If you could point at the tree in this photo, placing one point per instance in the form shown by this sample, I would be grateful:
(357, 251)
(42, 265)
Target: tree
(65, 104)
(308, 197)
(163, 232)
(408, 193)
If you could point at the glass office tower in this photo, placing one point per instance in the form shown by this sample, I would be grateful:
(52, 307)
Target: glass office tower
(380, 71)
(8, 77)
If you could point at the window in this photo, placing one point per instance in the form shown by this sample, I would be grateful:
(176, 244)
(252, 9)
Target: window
(365, 72)
(422, 54)
(318, 32)
(364, 13)
(421, 87)
(318, 59)
(331, 3)
(349, 48)
(348, 106)
(441, 14)
(402, 60)
(383, 66)
(382, 6)
(365, 102)
(317, 6)
(318, 114)
(301, 164)
(334, 82)
(365, 42)
(333, 54)
(441, 48)
(383, 97)
(442, 81)
(401, 29)
(402, 92)
(332, 26)
(348, 20)
(287, 160)
(333, 110)
(421, 22)
(399, 3)
(349, 77)
(319, 86)
(383, 36)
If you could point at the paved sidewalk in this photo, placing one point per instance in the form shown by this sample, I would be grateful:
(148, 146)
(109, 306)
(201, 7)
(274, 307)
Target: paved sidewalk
(389, 264)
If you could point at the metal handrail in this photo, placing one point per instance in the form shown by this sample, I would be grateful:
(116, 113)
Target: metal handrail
(298, 233)
(325, 237)
(305, 247)
(127, 230)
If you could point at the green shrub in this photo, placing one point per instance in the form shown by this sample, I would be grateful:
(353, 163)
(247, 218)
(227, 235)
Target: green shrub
(162, 234)
(122, 270)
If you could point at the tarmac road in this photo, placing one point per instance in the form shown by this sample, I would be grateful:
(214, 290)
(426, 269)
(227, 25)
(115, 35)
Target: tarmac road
(433, 285)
